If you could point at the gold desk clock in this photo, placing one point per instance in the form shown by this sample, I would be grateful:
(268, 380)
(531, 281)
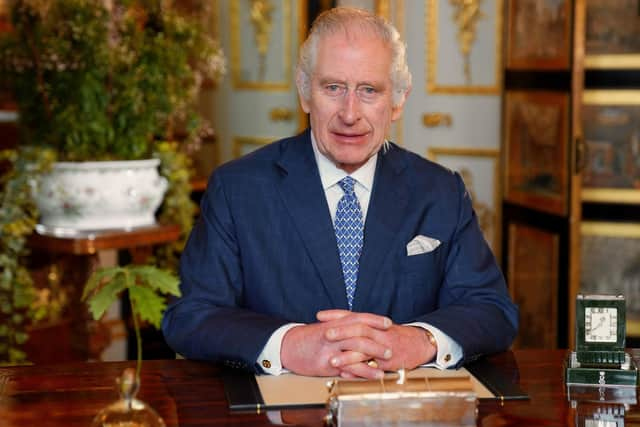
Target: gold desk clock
(600, 358)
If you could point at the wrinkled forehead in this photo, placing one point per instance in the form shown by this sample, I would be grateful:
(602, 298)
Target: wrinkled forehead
(354, 30)
(353, 42)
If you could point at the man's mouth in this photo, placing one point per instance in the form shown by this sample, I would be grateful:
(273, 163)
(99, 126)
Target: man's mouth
(349, 137)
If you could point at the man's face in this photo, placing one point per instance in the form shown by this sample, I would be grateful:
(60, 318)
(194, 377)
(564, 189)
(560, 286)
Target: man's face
(351, 102)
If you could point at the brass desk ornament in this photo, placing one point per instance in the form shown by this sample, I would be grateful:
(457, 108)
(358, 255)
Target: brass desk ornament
(398, 400)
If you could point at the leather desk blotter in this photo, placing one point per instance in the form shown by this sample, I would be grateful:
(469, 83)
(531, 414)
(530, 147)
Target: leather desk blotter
(248, 392)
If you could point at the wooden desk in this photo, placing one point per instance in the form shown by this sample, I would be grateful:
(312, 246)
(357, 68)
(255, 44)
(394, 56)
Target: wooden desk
(76, 337)
(187, 393)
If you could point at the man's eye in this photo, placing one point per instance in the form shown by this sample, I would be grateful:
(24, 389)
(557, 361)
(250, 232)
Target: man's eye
(334, 88)
(368, 93)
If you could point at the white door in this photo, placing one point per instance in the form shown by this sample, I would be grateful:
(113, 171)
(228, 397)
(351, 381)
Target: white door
(257, 101)
(453, 112)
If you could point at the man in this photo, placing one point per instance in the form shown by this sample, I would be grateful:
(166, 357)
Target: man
(335, 252)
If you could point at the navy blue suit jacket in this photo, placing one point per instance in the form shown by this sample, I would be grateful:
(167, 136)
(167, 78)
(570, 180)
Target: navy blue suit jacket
(263, 253)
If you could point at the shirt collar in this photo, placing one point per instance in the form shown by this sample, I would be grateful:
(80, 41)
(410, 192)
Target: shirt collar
(330, 174)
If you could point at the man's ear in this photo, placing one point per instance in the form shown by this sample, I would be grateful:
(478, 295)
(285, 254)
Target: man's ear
(396, 110)
(300, 82)
(304, 103)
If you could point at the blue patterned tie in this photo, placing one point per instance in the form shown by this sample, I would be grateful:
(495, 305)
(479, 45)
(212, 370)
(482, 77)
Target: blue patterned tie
(349, 233)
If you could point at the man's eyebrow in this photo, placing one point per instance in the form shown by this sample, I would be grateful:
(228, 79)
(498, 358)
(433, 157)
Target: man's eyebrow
(330, 79)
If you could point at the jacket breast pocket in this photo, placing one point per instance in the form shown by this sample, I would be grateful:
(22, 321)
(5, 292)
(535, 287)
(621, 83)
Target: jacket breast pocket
(416, 263)
(417, 285)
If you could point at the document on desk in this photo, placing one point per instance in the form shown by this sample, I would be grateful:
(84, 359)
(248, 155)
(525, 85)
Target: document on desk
(246, 391)
(296, 390)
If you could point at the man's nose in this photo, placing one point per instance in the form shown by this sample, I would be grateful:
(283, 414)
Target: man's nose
(350, 109)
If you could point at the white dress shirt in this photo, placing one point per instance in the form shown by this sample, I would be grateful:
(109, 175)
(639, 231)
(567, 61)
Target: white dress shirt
(449, 352)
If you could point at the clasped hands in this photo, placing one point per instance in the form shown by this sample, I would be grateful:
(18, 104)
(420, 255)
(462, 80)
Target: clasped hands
(342, 342)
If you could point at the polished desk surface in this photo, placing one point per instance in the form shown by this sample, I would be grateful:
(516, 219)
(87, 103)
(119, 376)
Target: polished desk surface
(188, 393)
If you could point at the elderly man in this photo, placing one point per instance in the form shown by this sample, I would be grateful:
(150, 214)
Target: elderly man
(335, 252)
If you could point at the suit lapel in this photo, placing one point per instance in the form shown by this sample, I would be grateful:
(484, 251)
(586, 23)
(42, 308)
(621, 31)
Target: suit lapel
(387, 209)
(302, 193)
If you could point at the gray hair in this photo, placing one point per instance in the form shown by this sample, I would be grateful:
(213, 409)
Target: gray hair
(344, 19)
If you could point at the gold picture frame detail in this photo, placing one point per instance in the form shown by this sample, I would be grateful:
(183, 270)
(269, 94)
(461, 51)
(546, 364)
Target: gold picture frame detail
(609, 262)
(532, 48)
(537, 150)
(236, 50)
(533, 284)
(431, 44)
(604, 44)
(254, 142)
(613, 98)
(481, 211)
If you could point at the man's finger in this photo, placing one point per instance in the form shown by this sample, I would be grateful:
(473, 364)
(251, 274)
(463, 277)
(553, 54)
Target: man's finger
(368, 348)
(348, 357)
(361, 370)
(370, 319)
(327, 315)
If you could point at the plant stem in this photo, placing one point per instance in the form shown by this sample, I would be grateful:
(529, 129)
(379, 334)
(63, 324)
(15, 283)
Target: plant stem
(136, 327)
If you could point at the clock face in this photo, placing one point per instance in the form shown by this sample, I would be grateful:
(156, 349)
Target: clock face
(601, 324)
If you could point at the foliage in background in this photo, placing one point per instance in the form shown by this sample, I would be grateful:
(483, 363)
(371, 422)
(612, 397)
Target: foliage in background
(177, 207)
(97, 80)
(18, 217)
(105, 79)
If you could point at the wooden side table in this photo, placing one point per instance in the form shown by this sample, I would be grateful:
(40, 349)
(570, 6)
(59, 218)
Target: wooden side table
(76, 257)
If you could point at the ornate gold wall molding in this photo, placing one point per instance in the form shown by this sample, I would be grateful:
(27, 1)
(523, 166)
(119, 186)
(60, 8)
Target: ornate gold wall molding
(489, 217)
(465, 23)
(466, 16)
(262, 22)
(261, 25)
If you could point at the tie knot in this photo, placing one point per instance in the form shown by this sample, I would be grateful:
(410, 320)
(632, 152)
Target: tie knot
(347, 184)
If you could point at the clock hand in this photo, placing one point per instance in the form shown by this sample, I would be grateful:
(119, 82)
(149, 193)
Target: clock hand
(602, 320)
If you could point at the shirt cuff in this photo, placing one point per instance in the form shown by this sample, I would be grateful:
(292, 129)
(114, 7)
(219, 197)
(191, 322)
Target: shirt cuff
(449, 351)
(269, 358)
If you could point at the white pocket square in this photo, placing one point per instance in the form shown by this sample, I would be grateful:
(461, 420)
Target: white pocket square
(421, 245)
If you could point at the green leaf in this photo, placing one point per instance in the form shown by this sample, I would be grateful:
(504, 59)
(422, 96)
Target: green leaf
(163, 281)
(97, 278)
(102, 299)
(147, 304)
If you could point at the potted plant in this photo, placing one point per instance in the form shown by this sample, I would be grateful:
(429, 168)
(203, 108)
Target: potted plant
(97, 81)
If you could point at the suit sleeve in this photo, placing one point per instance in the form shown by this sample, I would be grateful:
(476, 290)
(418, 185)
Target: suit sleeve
(206, 322)
(474, 307)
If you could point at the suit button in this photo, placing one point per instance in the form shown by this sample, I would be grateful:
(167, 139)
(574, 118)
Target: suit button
(447, 357)
(266, 364)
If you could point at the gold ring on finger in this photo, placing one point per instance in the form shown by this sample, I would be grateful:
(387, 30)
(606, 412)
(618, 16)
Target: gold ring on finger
(372, 363)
